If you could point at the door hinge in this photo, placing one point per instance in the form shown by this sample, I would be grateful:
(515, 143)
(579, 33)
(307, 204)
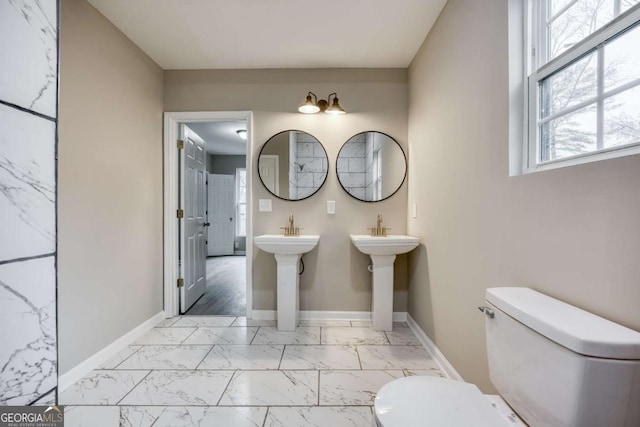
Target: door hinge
(180, 283)
(180, 213)
(180, 144)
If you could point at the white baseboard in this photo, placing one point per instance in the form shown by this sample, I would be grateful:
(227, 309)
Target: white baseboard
(446, 367)
(263, 314)
(101, 356)
(398, 316)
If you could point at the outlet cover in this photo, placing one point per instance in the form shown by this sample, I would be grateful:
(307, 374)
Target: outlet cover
(264, 205)
(331, 207)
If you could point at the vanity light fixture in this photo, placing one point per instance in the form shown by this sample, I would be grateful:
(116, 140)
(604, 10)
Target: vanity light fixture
(314, 105)
(242, 133)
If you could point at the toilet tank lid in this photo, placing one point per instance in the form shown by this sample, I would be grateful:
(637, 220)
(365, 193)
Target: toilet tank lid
(571, 327)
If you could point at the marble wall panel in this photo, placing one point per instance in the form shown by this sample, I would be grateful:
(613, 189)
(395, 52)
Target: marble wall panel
(28, 54)
(27, 330)
(27, 184)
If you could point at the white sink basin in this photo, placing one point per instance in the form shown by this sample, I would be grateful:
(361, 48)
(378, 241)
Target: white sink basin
(389, 245)
(286, 245)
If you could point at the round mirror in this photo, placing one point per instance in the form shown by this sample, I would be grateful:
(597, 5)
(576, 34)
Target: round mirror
(371, 166)
(293, 165)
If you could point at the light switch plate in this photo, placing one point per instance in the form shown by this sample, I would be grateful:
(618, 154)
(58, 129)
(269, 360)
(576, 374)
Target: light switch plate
(264, 205)
(331, 207)
(414, 210)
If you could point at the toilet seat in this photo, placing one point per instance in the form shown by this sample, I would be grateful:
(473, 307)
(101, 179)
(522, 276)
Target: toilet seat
(423, 401)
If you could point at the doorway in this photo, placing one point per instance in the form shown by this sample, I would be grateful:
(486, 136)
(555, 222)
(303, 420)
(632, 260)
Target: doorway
(208, 237)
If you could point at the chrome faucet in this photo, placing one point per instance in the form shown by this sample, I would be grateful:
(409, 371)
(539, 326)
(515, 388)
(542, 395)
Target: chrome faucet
(291, 230)
(379, 230)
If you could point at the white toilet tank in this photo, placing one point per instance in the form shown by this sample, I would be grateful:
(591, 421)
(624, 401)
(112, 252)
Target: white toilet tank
(558, 365)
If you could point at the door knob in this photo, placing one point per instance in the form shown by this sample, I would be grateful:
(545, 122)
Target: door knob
(206, 224)
(230, 219)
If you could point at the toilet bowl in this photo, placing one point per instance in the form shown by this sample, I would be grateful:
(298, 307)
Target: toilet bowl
(434, 402)
(553, 363)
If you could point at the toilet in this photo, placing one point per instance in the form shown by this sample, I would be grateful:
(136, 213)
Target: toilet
(553, 363)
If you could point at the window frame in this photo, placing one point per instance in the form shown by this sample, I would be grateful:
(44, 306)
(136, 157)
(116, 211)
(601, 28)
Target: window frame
(238, 203)
(535, 36)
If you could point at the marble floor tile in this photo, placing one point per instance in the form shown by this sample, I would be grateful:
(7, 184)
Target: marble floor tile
(402, 336)
(166, 357)
(101, 388)
(212, 416)
(243, 357)
(243, 321)
(187, 321)
(302, 335)
(176, 388)
(267, 388)
(139, 416)
(222, 336)
(322, 322)
(164, 336)
(120, 357)
(354, 335)
(362, 323)
(435, 372)
(46, 399)
(353, 387)
(395, 357)
(168, 322)
(315, 416)
(320, 357)
(91, 416)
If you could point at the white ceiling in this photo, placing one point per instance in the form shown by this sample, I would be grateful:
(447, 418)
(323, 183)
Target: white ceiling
(221, 137)
(219, 34)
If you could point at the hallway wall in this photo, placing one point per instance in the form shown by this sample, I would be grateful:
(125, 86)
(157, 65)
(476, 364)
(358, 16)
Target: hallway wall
(336, 276)
(110, 158)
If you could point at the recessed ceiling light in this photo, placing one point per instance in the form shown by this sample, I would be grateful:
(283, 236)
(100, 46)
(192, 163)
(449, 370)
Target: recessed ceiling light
(242, 133)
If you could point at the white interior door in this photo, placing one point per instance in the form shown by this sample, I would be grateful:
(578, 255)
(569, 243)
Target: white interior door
(222, 214)
(269, 165)
(193, 227)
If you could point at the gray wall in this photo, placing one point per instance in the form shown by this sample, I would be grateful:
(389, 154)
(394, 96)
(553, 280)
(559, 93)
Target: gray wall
(375, 99)
(225, 165)
(110, 151)
(572, 233)
(28, 36)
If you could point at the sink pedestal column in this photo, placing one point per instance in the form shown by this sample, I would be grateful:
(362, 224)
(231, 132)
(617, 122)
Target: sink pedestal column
(288, 289)
(382, 304)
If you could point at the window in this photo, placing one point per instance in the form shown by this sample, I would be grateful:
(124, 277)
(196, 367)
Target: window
(584, 82)
(241, 202)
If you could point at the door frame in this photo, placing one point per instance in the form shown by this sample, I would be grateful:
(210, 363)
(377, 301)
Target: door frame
(276, 171)
(171, 202)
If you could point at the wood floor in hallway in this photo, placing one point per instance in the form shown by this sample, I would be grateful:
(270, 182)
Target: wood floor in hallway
(226, 292)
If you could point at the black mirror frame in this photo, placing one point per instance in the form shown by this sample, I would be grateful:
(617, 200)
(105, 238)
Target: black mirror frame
(325, 155)
(406, 166)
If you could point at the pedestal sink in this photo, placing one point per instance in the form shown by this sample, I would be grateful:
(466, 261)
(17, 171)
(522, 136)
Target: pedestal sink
(383, 251)
(287, 250)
